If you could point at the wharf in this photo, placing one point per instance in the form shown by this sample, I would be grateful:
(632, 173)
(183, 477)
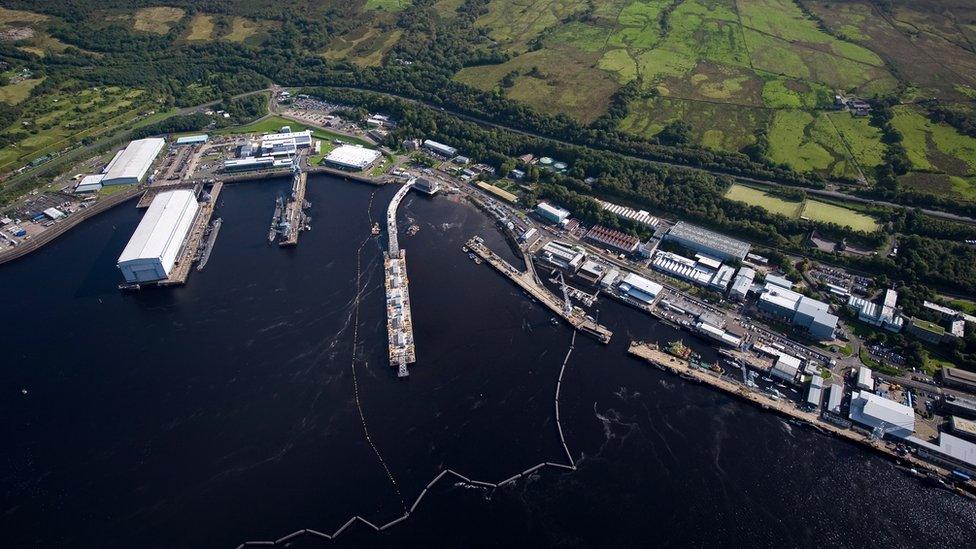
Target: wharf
(577, 318)
(147, 197)
(294, 211)
(685, 370)
(181, 269)
(399, 321)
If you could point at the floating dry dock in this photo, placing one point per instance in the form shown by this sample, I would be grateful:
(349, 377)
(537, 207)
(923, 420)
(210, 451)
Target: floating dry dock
(576, 318)
(294, 216)
(399, 322)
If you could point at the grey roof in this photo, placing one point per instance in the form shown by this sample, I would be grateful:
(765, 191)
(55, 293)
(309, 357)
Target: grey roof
(711, 239)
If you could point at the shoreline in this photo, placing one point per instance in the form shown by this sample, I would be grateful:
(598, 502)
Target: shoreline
(724, 384)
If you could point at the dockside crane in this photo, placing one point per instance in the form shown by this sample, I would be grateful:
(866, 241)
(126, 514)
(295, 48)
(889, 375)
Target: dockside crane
(567, 304)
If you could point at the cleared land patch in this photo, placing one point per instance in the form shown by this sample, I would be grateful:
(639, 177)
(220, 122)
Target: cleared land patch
(157, 20)
(249, 31)
(12, 94)
(201, 27)
(814, 210)
(364, 46)
(387, 5)
(20, 16)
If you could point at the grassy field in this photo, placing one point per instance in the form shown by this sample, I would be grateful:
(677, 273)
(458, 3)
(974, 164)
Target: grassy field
(157, 20)
(862, 139)
(12, 94)
(387, 5)
(714, 125)
(935, 147)
(829, 213)
(755, 197)
(809, 143)
(20, 16)
(57, 120)
(249, 31)
(364, 46)
(201, 27)
(814, 210)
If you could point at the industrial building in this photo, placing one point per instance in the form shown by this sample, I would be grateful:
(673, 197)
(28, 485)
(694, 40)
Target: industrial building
(639, 288)
(616, 240)
(562, 255)
(958, 406)
(718, 334)
(865, 379)
(130, 166)
(835, 395)
(156, 242)
(426, 185)
(439, 148)
(90, 184)
(815, 391)
(286, 142)
(927, 331)
(352, 157)
(742, 284)
(798, 309)
(249, 163)
(192, 139)
(964, 428)
(960, 379)
(551, 213)
(703, 270)
(878, 413)
(951, 452)
(882, 315)
(708, 242)
(786, 367)
(637, 216)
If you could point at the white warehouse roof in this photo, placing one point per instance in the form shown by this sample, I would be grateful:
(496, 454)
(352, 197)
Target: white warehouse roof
(352, 156)
(132, 163)
(879, 412)
(156, 242)
(643, 285)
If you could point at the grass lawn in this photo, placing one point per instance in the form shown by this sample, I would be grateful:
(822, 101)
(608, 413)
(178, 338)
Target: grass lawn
(830, 213)
(771, 203)
(387, 5)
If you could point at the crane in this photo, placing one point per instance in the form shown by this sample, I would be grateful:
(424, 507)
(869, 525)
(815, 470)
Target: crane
(567, 304)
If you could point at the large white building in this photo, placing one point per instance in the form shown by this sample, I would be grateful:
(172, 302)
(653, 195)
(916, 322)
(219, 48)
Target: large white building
(132, 163)
(286, 142)
(352, 157)
(156, 242)
(887, 416)
(640, 288)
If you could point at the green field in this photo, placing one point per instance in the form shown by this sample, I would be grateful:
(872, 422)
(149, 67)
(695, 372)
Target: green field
(714, 125)
(58, 120)
(157, 20)
(935, 147)
(387, 5)
(809, 143)
(814, 210)
(755, 197)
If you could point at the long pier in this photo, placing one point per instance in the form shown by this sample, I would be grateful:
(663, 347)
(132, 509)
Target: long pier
(181, 269)
(295, 210)
(684, 369)
(577, 318)
(399, 321)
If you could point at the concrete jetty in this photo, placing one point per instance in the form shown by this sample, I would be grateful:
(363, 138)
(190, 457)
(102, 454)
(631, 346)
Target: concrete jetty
(729, 385)
(399, 321)
(577, 318)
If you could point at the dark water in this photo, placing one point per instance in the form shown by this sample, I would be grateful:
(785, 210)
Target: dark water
(225, 411)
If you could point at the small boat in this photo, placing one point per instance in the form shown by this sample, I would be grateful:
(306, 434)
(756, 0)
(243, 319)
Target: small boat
(465, 249)
(376, 229)
(471, 256)
(767, 379)
(477, 261)
(554, 321)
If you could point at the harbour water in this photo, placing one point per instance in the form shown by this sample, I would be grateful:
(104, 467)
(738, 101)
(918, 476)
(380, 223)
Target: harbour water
(233, 408)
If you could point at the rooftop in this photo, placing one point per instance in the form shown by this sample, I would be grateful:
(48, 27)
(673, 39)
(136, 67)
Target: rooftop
(713, 240)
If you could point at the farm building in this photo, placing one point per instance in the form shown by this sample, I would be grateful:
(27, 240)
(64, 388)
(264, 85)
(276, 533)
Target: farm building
(130, 166)
(156, 242)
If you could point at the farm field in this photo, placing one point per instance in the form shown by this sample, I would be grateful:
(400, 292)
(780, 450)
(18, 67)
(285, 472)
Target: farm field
(57, 120)
(814, 210)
